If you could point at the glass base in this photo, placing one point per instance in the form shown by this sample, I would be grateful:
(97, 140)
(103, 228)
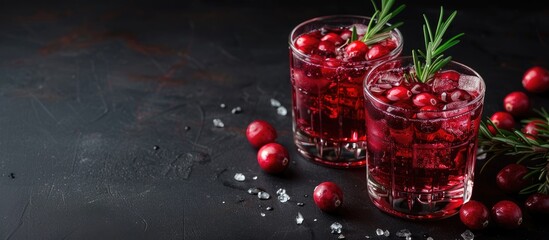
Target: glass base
(329, 153)
(418, 206)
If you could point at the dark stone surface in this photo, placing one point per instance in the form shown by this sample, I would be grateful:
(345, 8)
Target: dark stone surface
(87, 90)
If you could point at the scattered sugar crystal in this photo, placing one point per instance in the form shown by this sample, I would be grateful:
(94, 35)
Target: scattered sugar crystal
(239, 177)
(223, 202)
(281, 111)
(468, 235)
(222, 105)
(299, 218)
(218, 123)
(275, 103)
(379, 232)
(469, 83)
(269, 208)
(341, 236)
(386, 233)
(367, 236)
(236, 110)
(254, 178)
(429, 238)
(403, 233)
(282, 195)
(262, 214)
(336, 227)
(314, 220)
(300, 204)
(263, 195)
(255, 190)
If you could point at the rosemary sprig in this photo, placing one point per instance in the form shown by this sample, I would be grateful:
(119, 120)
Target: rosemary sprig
(433, 57)
(532, 152)
(378, 29)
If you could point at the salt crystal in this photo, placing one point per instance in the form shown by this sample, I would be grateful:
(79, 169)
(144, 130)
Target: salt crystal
(403, 233)
(336, 227)
(239, 177)
(468, 235)
(218, 123)
(282, 196)
(263, 195)
(379, 232)
(236, 110)
(299, 218)
(386, 233)
(275, 103)
(281, 111)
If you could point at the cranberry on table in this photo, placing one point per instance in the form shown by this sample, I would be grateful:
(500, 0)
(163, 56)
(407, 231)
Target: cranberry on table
(536, 79)
(517, 103)
(511, 179)
(507, 214)
(273, 158)
(537, 203)
(503, 120)
(474, 214)
(328, 196)
(532, 127)
(260, 132)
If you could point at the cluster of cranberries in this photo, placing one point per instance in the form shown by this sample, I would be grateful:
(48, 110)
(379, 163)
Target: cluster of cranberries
(273, 158)
(331, 46)
(511, 178)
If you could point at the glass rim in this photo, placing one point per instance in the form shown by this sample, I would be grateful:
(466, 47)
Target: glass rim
(371, 97)
(302, 55)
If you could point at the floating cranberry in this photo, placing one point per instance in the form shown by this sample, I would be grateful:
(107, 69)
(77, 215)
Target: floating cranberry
(306, 43)
(273, 158)
(449, 74)
(260, 132)
(517, 103)
(537, 203)
(329, 68)
(333, 37)
(328, 196)
(346, 34)
(474, 214)
(507, 214)
(424, 99)
(510, 178)
(398, 93)
(377, 51)
(327, 48)
(356, 50)
(503, 120)
(532, 127)
(536, 79)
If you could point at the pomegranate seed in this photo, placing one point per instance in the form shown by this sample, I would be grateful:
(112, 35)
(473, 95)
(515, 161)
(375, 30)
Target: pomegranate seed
(510, 178)
(507, 214)
(377, 51)
(449, 74)
(334, 38)
(328, 196)
(398, 93)
(532, 127)
(537, 203)
(273, 158)
(536, 79)
(306, 43)
(327, 48)
(260, 132)
(503, 120)
(474, 215)
(357, 50)
(517, 104)
(424, 99)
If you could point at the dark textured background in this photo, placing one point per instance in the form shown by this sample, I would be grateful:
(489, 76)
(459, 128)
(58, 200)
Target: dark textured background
(87, 89)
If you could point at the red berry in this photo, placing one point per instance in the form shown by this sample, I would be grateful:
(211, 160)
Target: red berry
(328, 196)
(458, 95)
(260, 132)
(346, 34)
(449, 74)
(503, 120)
(327, 48)
(424, 99)
(377, 51)
(511, 178)
(306, 43)
(474, 215)
(537, 203)
(517, 103)
(398, 93)
(507, 214)
(357, 50)
(333, 37)
(532, 127)
(273, 158)
(536, 79)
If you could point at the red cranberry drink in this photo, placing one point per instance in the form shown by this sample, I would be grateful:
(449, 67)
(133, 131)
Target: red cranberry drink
(328, 63)
(422, 133)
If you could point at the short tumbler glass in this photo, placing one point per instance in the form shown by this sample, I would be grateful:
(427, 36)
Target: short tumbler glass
(422, 138)
(327, 88)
